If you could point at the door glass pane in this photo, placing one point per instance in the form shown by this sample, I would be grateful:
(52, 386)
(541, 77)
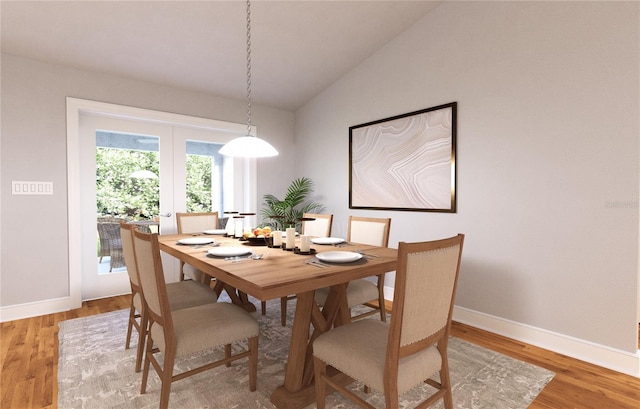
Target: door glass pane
(209, 179)
(206, 175)
(127, 188)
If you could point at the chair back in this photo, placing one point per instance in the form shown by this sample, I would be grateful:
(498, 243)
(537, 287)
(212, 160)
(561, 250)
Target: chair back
(369, 230)
(320, 227)
(426, 280)
(126, 235)
(196, 222)
(154, 289)
(109, 233)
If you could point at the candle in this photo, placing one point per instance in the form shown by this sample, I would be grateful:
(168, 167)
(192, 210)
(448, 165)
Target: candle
(305, 243)
(248, 222)
(239, 221)
(231, 223)
(277, 238)
(291, 238)
(230, 227)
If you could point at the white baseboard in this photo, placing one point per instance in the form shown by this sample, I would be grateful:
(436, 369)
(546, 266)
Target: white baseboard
(601, 355)
(596, 354)
(34, 309)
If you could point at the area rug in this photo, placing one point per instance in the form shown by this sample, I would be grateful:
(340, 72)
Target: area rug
(95, 372)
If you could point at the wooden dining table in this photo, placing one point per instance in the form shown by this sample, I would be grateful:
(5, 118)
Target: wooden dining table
(280, 273)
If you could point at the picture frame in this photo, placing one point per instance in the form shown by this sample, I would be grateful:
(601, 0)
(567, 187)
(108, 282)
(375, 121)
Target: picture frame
(406, 162)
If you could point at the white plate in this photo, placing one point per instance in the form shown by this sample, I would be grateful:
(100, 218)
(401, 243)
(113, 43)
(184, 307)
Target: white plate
(229, 251)
(216, 231)
(339, 256)
(196, 240)
(327, 240)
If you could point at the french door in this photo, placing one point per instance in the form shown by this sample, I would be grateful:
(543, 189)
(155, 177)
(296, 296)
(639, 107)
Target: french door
(172, 143)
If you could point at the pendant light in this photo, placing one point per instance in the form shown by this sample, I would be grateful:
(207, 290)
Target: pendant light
(248, 146)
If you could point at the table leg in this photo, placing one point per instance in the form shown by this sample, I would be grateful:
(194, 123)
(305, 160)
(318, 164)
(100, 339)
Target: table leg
(237, 297)
(298, 390)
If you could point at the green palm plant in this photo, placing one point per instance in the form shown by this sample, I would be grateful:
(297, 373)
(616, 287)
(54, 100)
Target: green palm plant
(280, 214)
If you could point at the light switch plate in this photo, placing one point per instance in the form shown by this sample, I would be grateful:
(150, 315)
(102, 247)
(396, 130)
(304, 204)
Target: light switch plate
(31, 188)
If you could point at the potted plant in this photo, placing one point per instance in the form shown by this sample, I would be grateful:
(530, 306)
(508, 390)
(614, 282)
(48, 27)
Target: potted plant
(280, 214)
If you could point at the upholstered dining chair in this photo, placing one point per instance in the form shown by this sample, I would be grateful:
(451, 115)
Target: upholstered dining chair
(394, 357)
(183, 294)
(195, 222)
(320, 226)
(180, 333)
(373, 231)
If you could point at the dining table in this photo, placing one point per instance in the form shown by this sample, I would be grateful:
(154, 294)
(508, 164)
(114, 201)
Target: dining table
(273, 273)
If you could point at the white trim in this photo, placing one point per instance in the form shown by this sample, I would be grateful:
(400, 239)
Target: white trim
(76, 107)
(596, 354)
(147, 115)
(34, 309)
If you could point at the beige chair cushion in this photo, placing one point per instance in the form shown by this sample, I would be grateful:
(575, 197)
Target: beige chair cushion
(192, 272)
(187, 294)
(359, 350)
(358, 292)
(199, 328)
(365, 232)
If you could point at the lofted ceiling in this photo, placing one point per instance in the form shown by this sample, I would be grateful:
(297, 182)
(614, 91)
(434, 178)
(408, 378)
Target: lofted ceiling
(298, 47)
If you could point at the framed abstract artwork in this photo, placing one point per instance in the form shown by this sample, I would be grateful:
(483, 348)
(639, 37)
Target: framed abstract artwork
(406, 162)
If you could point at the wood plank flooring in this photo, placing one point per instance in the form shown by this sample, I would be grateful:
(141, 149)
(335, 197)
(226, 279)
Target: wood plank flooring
(29, 365)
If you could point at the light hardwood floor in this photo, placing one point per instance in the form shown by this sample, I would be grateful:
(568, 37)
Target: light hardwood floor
(29, 359)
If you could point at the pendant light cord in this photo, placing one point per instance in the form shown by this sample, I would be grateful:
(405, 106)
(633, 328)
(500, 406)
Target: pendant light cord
(248, 67)
(249, 146)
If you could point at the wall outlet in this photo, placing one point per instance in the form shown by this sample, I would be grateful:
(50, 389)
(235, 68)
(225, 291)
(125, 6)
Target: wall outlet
(31, 188)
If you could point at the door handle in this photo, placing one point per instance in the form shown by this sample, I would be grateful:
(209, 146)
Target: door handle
(168, 214)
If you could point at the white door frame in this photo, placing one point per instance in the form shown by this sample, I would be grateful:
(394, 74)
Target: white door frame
(76, 107)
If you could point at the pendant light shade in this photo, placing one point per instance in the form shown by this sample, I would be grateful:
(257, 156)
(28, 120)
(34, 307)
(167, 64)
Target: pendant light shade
(248, 146)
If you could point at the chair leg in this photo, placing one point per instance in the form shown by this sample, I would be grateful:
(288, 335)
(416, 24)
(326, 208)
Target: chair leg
(145, 370)
(132, 317)
(142, 338)
(383, 310)
(283, 311)
(263, 305)
(320, 368)
(445, 381)
(165, 377)
(253, 363)
(227, 354)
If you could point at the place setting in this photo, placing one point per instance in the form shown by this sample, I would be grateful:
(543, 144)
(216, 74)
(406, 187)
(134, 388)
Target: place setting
(197, 242)
(330, 258)
(234, 254)
(330, 241)
(217, 232)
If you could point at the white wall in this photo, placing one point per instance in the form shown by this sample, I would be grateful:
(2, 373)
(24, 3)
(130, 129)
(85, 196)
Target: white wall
(34, 255)
(548, 127)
